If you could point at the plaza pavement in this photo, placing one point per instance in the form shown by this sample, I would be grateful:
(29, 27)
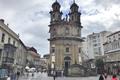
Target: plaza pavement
(43, 76)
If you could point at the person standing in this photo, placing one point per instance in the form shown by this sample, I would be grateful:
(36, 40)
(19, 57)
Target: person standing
(62, 73)
(32, 74)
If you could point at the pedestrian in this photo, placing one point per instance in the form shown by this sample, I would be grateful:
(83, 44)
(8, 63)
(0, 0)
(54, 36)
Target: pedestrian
(62, 73)
(27, 74)
(32, 74)
(114, 77)
(8, 78)
(101, 77)
(13, 76)
(105, 76)
(54, 75)
(18, 74)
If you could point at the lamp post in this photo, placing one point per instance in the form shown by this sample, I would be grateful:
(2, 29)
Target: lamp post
(54, 71)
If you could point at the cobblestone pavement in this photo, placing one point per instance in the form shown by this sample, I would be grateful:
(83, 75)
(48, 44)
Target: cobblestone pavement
(43, 76)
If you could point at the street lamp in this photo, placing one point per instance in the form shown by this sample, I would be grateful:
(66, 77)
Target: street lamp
(53, 67)
(54, 71)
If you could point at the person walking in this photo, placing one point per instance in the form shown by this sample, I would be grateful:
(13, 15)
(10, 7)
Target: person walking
(18, 75)
(114, 77)
(101, 77)
(54, 75)
(32, 74)
(13, 76)
(105, 76)
(8, 78)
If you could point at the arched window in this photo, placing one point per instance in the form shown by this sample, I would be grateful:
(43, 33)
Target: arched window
(56, 7)
(78, 32)
(53, 17)
(53, 32)
(9, 40)
(3, 37)
(53, 49)
(67, 31)
(79, 50)
(67, 49)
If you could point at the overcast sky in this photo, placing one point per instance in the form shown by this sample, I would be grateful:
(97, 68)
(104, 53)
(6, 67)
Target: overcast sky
(30, 18)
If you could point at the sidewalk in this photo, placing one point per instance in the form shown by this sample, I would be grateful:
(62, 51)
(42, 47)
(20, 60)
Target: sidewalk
(30, 77)
(110, 77)
(43, 76)
(25, 77)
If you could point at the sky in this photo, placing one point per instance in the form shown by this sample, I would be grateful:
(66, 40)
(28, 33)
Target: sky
(30, 18)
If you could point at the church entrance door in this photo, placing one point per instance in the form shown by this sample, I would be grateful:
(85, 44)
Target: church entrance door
(66, 65)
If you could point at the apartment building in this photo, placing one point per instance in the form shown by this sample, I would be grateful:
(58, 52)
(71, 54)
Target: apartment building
(112, 53)
(12, 49)
(95, 43)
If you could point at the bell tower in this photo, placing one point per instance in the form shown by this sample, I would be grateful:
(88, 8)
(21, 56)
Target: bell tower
(74, 13)
(65, 38)
(55, 13)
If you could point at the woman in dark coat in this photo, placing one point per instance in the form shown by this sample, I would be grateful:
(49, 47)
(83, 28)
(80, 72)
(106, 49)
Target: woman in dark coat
(101, 77)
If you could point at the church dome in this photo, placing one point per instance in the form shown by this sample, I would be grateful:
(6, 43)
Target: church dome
(56, 4)
(74, 5)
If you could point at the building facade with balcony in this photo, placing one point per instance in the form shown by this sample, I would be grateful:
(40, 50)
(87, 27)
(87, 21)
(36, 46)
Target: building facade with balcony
(112, 53)
(8, 45)
(95, 41)
(33, 58)
(20, 57)
(12, 50)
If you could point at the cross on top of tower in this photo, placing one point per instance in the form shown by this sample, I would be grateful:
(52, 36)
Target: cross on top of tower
(73, 1)
(56, 3)
(74, 4)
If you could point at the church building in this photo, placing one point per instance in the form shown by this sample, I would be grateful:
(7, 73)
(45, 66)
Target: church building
(65, 37)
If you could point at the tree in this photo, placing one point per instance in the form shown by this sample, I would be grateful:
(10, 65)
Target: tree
(99, 65)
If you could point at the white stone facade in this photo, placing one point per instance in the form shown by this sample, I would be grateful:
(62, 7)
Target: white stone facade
(7, 36)
(65, 37)
(4, 29)
(95, 43)
(33, 58)
(112, 53)
(112, 47)
(21, 56)
(84, 50)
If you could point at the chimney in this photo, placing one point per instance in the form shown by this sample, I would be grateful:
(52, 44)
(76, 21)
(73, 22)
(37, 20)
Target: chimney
(2, 20)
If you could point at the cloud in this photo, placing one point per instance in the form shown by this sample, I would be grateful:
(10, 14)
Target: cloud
(93, 27)
(106, 3)
(30, 18)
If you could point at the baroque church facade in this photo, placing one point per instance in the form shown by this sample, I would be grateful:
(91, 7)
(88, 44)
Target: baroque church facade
(65, 37)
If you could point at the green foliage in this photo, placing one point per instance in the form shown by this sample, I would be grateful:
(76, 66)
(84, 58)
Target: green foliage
(99, 63)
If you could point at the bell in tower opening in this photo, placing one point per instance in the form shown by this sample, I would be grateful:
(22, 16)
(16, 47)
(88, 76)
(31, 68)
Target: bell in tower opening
(74, 13)
(55, 13)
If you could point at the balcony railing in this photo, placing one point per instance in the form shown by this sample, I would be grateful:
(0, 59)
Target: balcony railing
(8, 60)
